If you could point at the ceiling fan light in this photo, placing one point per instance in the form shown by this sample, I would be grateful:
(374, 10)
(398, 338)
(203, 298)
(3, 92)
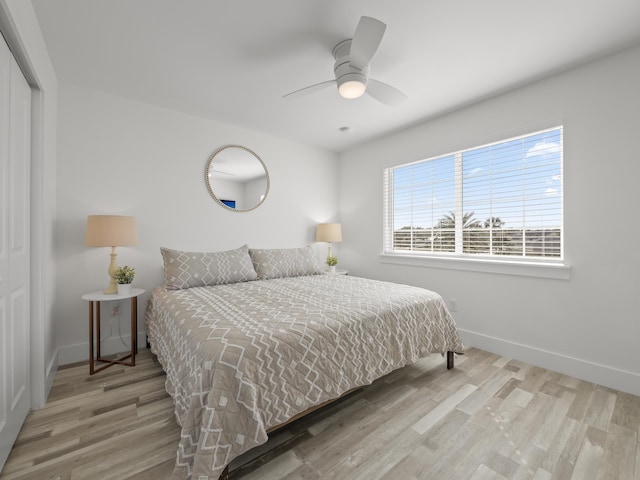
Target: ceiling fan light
(351, 85)
(352, 89)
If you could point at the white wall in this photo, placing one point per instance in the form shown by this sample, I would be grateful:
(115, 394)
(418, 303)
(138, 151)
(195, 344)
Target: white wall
(587, 326)
(118, 156)
(20, 28)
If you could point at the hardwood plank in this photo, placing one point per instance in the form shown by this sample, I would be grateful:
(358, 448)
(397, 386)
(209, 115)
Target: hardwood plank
(530, 464)
(591, 454)
(489, 387)
(425, 423)
(277, 468)
(581, 403)
(627, 412)
(376, 456)
(486, 473)
(618, 457)
(542, 474)
(472, 448)
(553, 420)
(501, 465)
(600, 409)
(563, 452)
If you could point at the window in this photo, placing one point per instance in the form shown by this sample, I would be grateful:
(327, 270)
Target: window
(498, 201)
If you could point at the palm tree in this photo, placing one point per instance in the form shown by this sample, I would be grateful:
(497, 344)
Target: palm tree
(493, 222)
(468, 221)
(445, 236)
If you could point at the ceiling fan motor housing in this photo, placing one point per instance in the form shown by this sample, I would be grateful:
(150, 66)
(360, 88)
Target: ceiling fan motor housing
(343, 69)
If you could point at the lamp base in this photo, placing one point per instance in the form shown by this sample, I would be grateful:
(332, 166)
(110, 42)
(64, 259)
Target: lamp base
(112, 288)
(113, 266)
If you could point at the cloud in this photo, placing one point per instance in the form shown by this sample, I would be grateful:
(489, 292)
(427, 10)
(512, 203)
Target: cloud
(553, 179)
(543, 149)
(474, 172)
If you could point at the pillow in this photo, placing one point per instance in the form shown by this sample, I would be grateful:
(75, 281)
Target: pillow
(201, 269)
(285, 262)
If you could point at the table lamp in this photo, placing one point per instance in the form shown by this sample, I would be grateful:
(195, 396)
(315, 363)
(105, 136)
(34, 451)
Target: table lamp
(111, 231)
(330, 233)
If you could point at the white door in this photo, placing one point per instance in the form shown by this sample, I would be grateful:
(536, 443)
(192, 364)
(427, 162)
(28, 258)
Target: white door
(15, 140)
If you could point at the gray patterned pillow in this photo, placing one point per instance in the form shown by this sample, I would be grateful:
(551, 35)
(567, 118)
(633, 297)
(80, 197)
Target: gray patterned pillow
(200, 269)
(285, 262)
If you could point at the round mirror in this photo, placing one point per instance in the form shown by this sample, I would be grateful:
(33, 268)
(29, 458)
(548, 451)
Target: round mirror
(237, 178)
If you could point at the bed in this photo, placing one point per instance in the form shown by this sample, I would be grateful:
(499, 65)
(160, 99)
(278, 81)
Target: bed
(249, 346)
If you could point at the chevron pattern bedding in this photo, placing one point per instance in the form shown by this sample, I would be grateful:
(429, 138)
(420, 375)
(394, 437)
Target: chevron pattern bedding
(245, 357)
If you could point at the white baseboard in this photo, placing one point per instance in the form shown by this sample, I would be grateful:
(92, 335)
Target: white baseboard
(607, 376)
(80, 352)
(50, 373)
(40, 387)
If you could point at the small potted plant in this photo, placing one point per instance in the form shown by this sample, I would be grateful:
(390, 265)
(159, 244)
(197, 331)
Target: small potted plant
(332, 261)
(124, 277)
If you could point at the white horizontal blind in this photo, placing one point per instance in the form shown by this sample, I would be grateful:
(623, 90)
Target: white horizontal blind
(497, 200)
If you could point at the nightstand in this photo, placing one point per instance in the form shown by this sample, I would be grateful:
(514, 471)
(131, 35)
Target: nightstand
(94, 300)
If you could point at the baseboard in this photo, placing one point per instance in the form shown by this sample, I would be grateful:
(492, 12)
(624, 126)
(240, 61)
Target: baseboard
(50, 374)
(583, 369)
(80, 352)
(41, 386)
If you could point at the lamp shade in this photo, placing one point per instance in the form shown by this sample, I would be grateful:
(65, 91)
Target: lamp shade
(111, 231)
(329, 232)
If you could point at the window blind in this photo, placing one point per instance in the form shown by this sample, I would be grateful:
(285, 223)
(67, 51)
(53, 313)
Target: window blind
(503, 199)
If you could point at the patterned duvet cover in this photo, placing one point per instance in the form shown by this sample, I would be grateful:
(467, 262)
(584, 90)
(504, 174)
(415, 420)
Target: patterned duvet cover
(245, 357)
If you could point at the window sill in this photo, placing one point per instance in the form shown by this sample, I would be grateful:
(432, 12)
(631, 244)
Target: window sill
(555, 271)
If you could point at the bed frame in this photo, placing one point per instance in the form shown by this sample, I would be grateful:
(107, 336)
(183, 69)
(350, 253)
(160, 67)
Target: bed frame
(225, 473)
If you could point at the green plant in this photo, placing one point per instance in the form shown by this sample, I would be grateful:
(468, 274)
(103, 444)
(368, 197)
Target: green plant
(124, 274)
(332, 260)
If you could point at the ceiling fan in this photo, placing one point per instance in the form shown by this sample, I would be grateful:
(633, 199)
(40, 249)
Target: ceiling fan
(351, 67)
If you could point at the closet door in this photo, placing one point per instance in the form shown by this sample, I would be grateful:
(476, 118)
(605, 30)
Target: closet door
(15, 141)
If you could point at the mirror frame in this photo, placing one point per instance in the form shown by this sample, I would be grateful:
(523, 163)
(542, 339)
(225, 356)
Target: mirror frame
(210, 187)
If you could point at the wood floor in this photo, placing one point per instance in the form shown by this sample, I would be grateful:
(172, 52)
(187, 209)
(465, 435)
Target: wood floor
(489, 418)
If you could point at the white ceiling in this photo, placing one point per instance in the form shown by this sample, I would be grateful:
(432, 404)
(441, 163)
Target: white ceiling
(232, 60)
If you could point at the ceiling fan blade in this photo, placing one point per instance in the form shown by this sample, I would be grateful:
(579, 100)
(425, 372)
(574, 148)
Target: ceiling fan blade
(385, 93)
(366, 41)
(310, 89)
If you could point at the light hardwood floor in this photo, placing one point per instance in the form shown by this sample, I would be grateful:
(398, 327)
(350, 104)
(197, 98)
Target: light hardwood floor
(489, 418)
